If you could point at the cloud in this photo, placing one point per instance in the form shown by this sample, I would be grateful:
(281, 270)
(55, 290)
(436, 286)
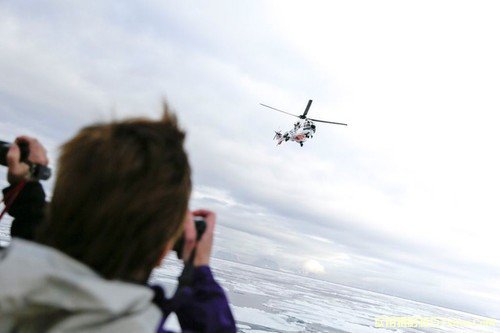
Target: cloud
(312, 266)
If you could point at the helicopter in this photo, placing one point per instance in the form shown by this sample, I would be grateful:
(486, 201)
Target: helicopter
(302, 130)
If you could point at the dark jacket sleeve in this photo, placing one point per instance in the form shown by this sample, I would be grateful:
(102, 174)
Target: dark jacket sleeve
(209, 309)
(28, 210)
(202, 308)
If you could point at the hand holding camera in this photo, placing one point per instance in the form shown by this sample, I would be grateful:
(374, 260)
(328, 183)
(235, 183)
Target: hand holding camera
(198, 233)
(26, 159)
(204, 247)
(196, 244)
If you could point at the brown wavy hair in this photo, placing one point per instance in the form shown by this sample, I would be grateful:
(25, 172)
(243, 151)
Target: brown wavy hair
(121, 194)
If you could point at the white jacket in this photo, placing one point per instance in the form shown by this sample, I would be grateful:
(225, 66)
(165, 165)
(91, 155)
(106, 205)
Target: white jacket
(44, 290)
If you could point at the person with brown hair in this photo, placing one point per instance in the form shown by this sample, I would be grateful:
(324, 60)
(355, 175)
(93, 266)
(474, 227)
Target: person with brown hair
(119, 204)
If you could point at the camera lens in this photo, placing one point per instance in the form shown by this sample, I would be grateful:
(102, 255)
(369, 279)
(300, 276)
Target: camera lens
(4, 148)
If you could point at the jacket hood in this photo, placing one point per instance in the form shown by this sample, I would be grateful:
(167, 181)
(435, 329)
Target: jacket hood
(42, 289)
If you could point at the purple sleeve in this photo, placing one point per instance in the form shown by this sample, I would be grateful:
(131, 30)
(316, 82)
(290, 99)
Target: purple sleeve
(208, 309)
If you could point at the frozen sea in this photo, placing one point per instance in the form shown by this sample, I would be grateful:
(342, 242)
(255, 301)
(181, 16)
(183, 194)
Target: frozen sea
(270, 301)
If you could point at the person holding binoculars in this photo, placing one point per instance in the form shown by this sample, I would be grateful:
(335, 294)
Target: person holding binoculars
(120, 204)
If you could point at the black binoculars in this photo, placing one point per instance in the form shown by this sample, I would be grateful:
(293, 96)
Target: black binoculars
(39, 172)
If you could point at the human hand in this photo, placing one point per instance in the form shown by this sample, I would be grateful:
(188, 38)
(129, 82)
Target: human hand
(204, 246)
(19, 171)
(189, 236)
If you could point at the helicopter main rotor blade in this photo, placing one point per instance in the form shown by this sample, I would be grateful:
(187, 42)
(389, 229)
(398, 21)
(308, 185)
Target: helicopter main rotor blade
(307, 109)
(328, 122)
(267, 106)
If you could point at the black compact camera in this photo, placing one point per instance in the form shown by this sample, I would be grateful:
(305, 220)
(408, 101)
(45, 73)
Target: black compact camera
(200, 225)
(39, 172)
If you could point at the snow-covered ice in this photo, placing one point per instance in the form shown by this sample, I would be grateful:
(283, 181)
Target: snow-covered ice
(269, 301)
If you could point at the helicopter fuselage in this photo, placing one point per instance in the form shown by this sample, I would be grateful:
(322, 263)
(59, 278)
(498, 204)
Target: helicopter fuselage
(303, 129)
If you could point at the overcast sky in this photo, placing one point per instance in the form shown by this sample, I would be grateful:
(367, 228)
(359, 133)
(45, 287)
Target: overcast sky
(402, 201)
